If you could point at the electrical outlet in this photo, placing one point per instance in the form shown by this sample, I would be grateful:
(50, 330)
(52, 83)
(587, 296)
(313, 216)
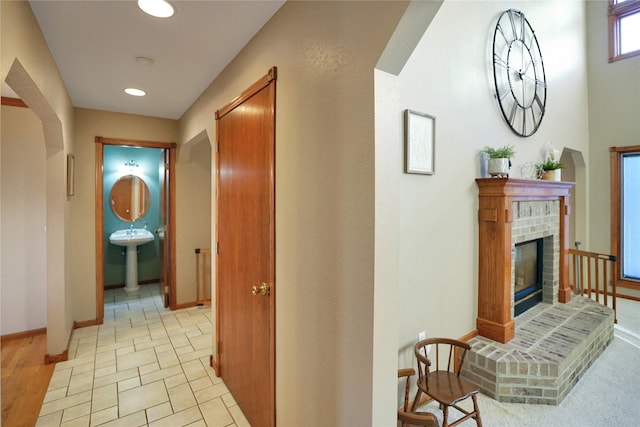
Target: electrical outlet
(422, 335)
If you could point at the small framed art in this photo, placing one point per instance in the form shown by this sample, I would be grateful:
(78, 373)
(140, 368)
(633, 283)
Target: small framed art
(419, 143)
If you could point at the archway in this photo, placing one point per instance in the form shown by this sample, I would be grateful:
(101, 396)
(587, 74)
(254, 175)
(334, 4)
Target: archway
(59, 323)
(575, 171)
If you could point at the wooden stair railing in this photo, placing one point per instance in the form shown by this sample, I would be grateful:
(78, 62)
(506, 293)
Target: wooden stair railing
(594, 275)
(203, 275)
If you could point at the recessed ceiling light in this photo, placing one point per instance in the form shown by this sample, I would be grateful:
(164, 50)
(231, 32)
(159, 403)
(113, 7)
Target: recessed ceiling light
(157, 8)
(135, 92)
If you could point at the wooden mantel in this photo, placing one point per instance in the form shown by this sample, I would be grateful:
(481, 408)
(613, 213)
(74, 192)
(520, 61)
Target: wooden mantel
(496, 197)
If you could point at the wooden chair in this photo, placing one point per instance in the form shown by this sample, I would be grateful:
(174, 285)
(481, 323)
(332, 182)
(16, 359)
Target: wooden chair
(405, 415)
(445, 385)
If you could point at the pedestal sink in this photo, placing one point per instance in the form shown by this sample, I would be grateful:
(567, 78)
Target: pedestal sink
(131, 238)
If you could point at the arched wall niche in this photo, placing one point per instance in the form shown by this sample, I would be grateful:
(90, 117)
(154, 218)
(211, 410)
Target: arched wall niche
(194, 212)
(575, 171)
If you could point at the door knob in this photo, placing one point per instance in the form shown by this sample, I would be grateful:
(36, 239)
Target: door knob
(263, 289)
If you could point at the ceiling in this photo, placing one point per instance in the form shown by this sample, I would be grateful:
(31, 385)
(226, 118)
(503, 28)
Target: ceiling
(95, 45)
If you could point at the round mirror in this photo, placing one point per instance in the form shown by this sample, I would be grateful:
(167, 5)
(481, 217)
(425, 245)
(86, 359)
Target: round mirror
(130, 198)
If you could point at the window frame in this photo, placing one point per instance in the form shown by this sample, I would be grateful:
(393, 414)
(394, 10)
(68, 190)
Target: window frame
(616, 13)
(616, 154)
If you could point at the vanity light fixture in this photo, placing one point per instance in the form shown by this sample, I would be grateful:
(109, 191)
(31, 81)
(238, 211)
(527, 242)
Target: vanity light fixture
(157, 8)
(131, 164)
(135, 92)
(130, 167)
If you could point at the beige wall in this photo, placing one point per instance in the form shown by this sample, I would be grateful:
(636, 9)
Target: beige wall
(449, 76)
(325, 53)
(193, 213)
(193, 192)
(23, 244)
(614, 102)
(89, 124)
(29, 69)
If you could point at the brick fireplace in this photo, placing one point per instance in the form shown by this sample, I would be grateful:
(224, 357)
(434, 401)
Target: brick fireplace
(540, 355)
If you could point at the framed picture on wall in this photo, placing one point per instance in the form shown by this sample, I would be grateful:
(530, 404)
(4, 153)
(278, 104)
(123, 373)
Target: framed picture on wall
(419, 143)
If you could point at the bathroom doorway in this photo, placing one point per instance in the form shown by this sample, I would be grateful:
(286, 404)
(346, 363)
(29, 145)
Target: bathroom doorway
(142, 174)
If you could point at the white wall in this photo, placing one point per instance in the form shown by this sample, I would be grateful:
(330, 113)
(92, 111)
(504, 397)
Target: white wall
(386, 309)
(614, 103)
(23, 245)
(449, 76)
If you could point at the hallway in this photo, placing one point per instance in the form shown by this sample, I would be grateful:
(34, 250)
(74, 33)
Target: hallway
(145, 365)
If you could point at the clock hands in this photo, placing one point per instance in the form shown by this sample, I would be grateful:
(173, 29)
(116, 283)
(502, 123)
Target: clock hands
(522, 74)
(535, 80)
(518, 73)
(501, 62)
(528, 65)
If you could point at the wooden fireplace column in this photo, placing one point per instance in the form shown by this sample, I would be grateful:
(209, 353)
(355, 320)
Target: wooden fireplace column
(495, 215)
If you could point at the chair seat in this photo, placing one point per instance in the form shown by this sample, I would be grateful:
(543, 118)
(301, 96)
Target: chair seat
(447, 388)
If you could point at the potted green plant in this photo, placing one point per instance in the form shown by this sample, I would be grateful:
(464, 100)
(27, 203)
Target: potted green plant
(499, 159)
(550, 169)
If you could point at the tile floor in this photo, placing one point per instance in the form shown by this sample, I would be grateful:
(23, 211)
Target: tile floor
(144, 366)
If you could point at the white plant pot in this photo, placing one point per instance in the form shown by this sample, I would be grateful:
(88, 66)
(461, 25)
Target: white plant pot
(552, 175)
(499, 167)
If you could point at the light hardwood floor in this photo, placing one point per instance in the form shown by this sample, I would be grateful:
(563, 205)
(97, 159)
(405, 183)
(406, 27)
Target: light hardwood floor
(25, 379)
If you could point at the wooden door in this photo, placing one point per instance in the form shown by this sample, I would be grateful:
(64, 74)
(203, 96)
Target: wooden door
(246, 249)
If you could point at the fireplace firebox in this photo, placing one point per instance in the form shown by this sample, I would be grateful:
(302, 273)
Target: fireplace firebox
(528, 265)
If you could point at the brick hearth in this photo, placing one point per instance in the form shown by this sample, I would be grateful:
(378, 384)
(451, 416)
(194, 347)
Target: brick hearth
(553, 346)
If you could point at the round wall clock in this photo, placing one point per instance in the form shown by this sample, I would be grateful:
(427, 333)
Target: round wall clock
(518, 73)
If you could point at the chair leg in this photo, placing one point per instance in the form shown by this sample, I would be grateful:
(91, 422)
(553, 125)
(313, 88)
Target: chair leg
(445, 415)
(476, 410)
(416, 399)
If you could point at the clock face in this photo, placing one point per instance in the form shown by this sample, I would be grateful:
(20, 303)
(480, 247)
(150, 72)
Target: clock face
(518, 72)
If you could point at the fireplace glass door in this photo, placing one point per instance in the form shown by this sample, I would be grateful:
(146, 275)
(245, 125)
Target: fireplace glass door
(528, 260)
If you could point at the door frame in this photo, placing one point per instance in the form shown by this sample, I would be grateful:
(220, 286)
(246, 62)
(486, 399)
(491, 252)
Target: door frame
(99, 231)
(616, 232)
(218, 367)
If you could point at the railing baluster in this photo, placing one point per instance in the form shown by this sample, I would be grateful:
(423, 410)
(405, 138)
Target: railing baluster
(600, 268)
(604, 281)
(589, 268)
(597, 278)
(576, 275)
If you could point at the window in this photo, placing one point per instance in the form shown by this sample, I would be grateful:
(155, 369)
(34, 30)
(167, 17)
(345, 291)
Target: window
(625, 213)
(630, 216)
(624, 29)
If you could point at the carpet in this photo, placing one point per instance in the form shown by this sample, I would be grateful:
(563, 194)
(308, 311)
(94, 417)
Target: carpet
(606, 395)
